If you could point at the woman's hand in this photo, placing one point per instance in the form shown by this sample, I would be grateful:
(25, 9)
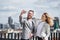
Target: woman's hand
(30, 36)
(45, 38)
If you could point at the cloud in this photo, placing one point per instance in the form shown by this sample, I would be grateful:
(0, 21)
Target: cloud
(42, 6)
(8, 8)
(22, 1)
(47, 3)
(54, 4)
(7, 14)
(14, 7)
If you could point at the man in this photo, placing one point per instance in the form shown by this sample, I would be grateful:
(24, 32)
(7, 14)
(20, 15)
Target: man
(28, 25)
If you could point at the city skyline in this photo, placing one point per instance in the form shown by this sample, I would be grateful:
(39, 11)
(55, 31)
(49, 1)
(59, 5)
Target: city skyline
(13, 8)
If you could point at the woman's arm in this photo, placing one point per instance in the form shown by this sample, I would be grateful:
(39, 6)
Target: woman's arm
(47, 31)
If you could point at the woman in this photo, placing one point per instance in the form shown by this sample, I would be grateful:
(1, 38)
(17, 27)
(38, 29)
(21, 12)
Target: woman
(43, 29)
(51, 23)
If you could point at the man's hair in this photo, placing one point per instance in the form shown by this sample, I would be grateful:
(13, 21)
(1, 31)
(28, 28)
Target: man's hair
(31, 11)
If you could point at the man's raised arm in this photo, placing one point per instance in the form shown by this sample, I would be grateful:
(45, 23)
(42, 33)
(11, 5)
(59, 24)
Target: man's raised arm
(20, 17)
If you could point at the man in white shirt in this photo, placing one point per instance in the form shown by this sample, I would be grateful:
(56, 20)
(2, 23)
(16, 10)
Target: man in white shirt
(27, 24)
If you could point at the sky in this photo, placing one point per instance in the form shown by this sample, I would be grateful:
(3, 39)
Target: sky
(13, 8)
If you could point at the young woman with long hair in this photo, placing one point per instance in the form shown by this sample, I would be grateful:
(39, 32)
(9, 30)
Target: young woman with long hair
(43, 28)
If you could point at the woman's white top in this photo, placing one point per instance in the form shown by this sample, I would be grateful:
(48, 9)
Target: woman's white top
(43, 30)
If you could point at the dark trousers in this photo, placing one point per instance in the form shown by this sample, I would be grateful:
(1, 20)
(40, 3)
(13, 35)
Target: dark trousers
(33, 37)
(39, 38)
(24, 39)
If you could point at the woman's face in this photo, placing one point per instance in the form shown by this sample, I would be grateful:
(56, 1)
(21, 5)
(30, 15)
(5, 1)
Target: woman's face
(43, 17)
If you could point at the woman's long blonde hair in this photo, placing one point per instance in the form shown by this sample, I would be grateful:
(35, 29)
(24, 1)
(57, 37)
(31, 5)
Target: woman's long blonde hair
(49, 20)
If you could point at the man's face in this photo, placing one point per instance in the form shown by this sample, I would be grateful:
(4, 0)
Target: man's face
(30, 14)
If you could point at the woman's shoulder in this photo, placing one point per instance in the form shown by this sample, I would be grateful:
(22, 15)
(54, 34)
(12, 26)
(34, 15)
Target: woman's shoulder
(46, 24)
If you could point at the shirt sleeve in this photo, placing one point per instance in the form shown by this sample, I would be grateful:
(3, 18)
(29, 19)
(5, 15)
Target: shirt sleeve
(21, 20)
(48, 30)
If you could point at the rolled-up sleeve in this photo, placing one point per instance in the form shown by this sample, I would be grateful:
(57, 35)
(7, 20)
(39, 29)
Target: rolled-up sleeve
(21, 20)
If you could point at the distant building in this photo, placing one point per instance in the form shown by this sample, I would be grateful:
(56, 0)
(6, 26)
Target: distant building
(5, 26)
(17, 25)
(1, 26)
(13, 26)
(56, 23)
(10, 20)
